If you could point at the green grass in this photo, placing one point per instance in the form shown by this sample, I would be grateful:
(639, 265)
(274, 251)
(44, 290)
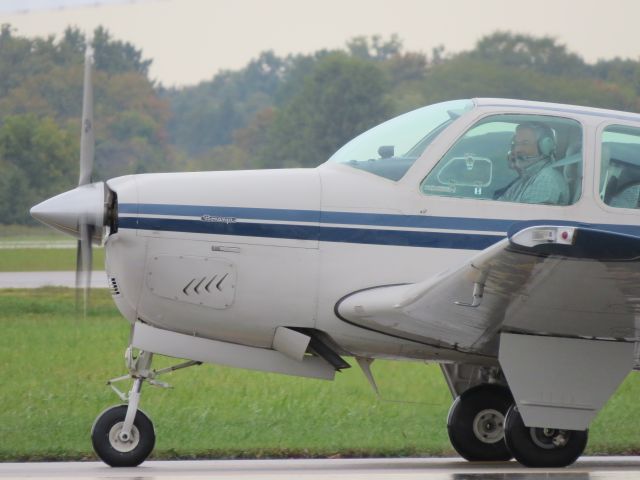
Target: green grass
(18, 255)
(40, 233)
(54, 367)
(44, 259)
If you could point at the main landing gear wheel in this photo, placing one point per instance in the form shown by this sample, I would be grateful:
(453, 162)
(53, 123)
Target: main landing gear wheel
(119, 450)
(542, 447)
(476, 423)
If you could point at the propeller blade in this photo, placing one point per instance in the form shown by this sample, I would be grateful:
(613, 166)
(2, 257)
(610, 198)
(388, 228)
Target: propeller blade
(84, 267)
(87, 140)
(86, 228)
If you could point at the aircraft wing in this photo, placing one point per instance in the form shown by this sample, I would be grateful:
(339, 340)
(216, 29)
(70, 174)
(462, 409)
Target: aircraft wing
(560, 281)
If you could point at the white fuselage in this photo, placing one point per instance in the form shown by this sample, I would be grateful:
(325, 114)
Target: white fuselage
(291, 243)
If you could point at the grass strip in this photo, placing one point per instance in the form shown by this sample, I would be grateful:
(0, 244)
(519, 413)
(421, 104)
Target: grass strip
(44, 259)
(55, 364)
(17, 233)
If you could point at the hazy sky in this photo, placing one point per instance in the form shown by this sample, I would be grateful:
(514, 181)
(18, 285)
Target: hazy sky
(190, 40)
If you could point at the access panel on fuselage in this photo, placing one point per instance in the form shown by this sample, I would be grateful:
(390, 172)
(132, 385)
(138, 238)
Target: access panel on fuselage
(230, 255)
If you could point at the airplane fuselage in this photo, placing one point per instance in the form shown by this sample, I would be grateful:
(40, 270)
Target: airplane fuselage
(180, 234)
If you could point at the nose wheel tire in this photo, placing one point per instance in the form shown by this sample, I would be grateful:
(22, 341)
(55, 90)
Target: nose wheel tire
(542, 447)
(476, 423)
(116, 448)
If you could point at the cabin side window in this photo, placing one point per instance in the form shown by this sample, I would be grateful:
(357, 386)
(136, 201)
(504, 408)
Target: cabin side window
(513, 158)
(620, 167)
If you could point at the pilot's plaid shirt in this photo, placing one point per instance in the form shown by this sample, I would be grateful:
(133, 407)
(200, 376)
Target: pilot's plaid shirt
(540, 183)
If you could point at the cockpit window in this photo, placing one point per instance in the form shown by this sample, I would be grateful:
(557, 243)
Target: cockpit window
(390, 149)
(620, 167)
(513, 158)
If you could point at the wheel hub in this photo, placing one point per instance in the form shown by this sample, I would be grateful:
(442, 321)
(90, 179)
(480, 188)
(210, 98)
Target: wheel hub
(549, 438)
(123, 442)
(488, 426)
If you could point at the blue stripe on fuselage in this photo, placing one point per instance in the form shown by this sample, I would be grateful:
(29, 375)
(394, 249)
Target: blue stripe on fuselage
(316, 216)
(320, 232)
(316, 233)
(200, 210)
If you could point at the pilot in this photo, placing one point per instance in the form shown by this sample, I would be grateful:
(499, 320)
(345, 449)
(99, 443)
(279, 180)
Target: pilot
(531, 155)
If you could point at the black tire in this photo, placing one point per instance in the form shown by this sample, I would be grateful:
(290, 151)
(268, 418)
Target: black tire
(535, 447)
(482, 443)
(120, 454)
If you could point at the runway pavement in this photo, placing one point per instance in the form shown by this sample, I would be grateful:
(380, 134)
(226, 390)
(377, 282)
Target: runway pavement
(48, 279)
(587, 468)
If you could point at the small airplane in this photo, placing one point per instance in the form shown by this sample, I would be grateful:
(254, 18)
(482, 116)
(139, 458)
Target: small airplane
(498, 238)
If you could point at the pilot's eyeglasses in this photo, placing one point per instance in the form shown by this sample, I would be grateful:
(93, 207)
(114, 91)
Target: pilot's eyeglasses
(521, 143)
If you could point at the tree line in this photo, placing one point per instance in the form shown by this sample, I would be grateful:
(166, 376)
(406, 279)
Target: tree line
(291, 111)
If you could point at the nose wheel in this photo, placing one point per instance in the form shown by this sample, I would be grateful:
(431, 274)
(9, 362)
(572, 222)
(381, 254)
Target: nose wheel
(476, 423)
(123, 436)
(542, 447)
(118, 447)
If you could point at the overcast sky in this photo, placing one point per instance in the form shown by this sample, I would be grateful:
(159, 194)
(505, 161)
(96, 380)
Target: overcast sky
(190, 40)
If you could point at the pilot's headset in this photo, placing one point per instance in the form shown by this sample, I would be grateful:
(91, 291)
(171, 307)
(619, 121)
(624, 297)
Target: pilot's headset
(545, 136)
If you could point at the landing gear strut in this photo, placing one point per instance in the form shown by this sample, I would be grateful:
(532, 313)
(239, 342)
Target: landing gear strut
(476, 423)
(123, 436)
(542, 447)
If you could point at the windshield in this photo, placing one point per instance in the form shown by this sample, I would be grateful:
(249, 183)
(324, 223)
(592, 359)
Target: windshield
(390, 149)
